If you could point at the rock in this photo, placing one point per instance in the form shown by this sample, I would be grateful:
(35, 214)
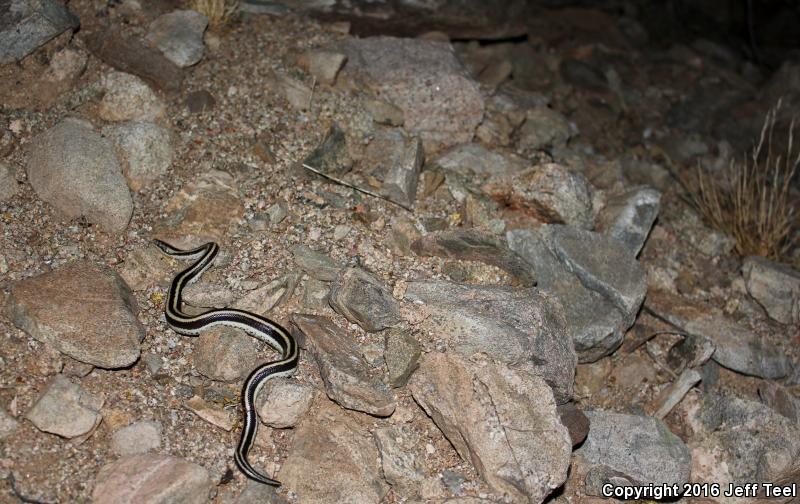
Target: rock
(363, 299)
(518, 326)
(332, 461)
(503, 421)
(277, 213)
(402, 355)
(398, 160)
(692, 352)
(226, 354)
(673, 394)
(332, 156)
(210, 413)
(65, 409)
(548, 193)
(200, 101)
(575, 421)
(144, 149)
(8, 424)
(629, 216)
(583, 75)
(323, 65)
(472, 159)
(267, 297)
(595, 318)
(75, 169)
(128, 98)
(402, 461)
(258, 493)
(27, 24)
(208, 295)
(179, 36)
(780, 399)
(315, 294)
(83, 310)
(203, 210)
(346, 374)
(282, 402)
(8, 183)
(736, 347)
(775, 286)
(140, 437)
(440, 103)
(475, 245)
(144, 267)
(384, 113)
(151, 478)
(734, 440)
(132, 56)
(316, 264)
(632, 450)
(544, 128)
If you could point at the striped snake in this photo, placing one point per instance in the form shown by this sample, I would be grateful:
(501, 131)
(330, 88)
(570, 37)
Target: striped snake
(259, 327)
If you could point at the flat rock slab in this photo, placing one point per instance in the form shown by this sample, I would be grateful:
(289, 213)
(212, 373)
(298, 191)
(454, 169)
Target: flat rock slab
(75, 169)
(179, 36)
(503, 421)
(472, 159)
(736, 440)
(475, 245)
(737, 348)
(65, 409)
(151, 478)
(139, 437)
(27, 24)
(441, 103)
(347, 376)
(520, 327)
(83, 310)
(637, 449)
(363, 299)
(775, 286)
(333, 460)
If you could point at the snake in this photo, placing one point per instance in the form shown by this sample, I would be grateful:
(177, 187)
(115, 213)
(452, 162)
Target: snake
(261, 328)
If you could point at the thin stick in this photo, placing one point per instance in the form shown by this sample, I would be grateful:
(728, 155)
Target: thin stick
(351, 186)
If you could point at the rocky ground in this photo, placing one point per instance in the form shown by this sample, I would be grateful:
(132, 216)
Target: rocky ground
(518, 305)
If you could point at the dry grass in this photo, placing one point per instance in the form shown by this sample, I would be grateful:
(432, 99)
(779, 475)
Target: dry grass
(218, 12)
(751, 199)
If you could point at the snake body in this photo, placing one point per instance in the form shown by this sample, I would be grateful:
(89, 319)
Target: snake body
(257, 326)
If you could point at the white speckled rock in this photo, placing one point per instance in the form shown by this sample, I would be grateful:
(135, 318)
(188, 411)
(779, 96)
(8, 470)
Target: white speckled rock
(65, 409)
(144, 149)
(129, 98)
(140, 437)
(179, 36)
(76, 170)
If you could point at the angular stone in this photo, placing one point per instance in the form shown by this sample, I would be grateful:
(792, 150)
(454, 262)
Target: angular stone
(323, 65)
(65, 409)
(346, 374)
(331, 460)
(475, 245)
(76, 170)
(629, 216)
(364, 300)
(332, 156)
(402, 167)
(226, 354)
(503, 421)
(134, 57)
(8, 424)
(472, 159)
(775, 286)
(151, 478)
(283, 402)
(144, 149)
(315, 294)
(737, 348)
(384, 113)
(83, 310)
(27, 24)
(258, 493)
(780, 399)
(265, 298)
(402, 460)
(316, 264)
(734, 439)
(140, 437)
(518, 326)
(179, 36)
(440, 102)
(548, 193)
(128, 98)
(575, 421)
(210, 413)
(401, 355)
(544, 127)
(673, 394)
(638, 450)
